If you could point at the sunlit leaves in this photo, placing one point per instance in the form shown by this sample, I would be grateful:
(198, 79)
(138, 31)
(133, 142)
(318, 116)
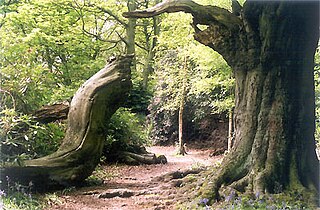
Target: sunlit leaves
(46, 51)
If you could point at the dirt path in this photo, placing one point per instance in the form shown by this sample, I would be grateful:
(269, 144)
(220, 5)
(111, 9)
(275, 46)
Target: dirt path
(139, 187)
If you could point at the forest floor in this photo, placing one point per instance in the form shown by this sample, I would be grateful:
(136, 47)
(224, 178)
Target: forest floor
(140, 187)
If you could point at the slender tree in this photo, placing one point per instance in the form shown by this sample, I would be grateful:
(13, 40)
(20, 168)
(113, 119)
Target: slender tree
(148, 67)
(270, 46)
(181, 146)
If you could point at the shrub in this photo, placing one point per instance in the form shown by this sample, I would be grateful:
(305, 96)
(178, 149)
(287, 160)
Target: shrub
(23, 138)
(125, 130)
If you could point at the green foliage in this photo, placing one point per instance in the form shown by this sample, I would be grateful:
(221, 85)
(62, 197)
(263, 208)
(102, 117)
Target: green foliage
(209, 80)
(20, 201)
(234, 200)
(23, 138)
(17, 196)
(125, 130)
(139, 99)
(49, 48)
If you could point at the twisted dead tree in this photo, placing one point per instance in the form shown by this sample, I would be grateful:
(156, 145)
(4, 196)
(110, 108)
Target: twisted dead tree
(270, 46)
(94, 103)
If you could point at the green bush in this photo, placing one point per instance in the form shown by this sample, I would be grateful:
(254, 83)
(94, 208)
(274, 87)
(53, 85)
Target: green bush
(139, 99)
(125, 130)
(24, 138)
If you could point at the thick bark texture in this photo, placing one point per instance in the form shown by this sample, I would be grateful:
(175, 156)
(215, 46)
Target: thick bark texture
(95, 101)
(270, 47)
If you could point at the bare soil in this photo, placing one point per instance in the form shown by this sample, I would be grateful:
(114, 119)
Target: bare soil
(139, 187)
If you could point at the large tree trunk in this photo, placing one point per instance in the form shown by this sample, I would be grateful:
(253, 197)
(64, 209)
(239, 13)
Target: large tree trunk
(94, 103)
(270, 47)
(274, 111)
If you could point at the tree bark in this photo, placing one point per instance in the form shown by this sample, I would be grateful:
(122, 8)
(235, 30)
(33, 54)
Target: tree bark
(95, 101)
(270, 47)
(148, 67)
(51, 113)
(230, 131)
(181, 146)
(130, 33)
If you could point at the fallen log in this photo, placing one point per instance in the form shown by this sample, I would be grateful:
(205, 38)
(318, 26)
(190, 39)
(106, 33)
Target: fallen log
(131, 158)
(51, 113)
(94, 102)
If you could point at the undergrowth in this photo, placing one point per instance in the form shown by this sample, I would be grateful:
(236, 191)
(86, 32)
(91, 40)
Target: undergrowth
(14, 196)
(234, 200)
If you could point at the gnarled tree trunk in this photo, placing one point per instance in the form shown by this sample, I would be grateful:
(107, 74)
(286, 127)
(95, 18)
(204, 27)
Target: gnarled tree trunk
(270, 47)
(94, 103)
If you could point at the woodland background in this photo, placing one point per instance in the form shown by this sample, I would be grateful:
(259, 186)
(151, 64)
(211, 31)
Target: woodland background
(49, 48)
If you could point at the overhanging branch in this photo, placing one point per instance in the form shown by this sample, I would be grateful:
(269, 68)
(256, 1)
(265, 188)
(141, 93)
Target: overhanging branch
(202, 14)
(223, 33)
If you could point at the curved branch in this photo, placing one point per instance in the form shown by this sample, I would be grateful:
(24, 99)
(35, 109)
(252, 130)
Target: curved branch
(202, 14)
(223, 33)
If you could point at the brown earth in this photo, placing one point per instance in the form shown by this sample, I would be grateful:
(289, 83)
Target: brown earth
(139, 187)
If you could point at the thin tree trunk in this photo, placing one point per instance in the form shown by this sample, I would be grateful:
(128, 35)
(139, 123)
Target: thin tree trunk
(148, 69)
(130, 33)
(181, 146)
(94, 103)
(230, 131)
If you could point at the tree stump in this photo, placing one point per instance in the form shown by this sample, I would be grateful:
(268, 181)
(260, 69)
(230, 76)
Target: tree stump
(94, 103)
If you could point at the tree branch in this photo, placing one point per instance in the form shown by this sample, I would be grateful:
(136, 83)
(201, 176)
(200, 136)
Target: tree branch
(224, 31)
(205, 15)
(109, 12)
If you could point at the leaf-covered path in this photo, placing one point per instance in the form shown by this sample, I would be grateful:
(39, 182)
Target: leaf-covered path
(139, 187)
